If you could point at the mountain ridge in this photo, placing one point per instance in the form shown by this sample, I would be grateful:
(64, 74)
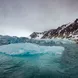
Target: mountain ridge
(69, 31)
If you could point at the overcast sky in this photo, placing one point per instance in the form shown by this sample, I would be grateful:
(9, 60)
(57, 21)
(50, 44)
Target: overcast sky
(22, 17)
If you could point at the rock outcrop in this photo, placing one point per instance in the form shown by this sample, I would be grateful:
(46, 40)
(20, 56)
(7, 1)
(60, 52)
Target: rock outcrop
(66, 30)
(37, 35)
(69, 30)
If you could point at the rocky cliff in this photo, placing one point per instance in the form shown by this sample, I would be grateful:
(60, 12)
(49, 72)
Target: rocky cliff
(69, 30)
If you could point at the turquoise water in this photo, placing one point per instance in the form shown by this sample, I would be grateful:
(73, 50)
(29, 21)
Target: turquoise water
(29, 60)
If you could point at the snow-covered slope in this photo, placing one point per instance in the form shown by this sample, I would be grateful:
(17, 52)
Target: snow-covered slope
(69, 31)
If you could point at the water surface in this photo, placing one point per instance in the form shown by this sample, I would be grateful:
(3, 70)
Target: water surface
(29, 60)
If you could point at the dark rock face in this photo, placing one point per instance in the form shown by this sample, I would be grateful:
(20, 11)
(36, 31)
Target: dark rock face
(62, 31)
(33, 35)
(36, 34)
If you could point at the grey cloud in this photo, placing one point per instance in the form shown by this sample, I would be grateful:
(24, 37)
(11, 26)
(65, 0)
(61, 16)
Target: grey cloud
(36, 15)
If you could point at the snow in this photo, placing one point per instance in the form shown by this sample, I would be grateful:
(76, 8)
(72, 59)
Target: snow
(63, 27)
(75, 37)
(39, 36)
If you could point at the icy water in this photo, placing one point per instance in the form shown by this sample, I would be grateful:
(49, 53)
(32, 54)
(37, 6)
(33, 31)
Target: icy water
(29, 60)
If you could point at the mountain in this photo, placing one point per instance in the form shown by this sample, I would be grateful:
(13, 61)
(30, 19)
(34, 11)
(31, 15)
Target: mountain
(37, 35)
(69, 30)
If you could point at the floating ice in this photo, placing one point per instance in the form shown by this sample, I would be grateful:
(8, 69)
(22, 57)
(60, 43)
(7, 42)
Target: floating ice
(30, 49)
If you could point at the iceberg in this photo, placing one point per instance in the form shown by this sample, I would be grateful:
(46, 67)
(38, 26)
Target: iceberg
(30, 49)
